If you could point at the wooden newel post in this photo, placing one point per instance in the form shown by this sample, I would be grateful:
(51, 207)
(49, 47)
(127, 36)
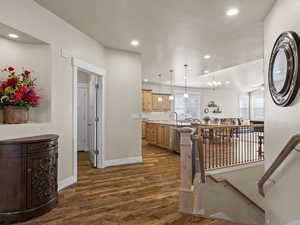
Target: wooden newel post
(186, 170)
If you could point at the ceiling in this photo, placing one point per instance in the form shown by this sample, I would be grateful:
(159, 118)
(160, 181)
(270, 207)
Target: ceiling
(173, 32)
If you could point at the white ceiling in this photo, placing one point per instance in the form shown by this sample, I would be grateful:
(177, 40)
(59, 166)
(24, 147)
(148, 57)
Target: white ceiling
(172, 32)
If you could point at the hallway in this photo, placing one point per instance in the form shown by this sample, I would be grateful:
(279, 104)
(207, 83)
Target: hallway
(139, 194)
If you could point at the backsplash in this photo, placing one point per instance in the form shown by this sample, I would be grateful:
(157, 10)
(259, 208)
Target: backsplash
(156, 115)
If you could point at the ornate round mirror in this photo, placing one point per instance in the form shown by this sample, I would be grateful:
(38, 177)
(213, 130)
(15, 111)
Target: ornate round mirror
(284, 77)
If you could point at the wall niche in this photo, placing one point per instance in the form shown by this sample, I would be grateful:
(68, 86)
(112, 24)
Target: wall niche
(34, 55)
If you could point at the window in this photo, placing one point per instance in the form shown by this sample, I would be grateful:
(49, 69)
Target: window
(187, 108)
(252, 106)
(258, 109)
(245, 107)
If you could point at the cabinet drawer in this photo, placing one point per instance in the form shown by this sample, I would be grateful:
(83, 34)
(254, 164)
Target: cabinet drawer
(41, 146)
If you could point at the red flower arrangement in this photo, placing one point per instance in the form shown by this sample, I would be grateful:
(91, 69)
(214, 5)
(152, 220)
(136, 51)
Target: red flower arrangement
(18, 89)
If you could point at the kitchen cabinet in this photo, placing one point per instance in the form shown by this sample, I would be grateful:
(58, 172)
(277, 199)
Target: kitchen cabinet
(163, 105)
(147, 100)
(156, 105)
(158, 134)
(166, 106)
(151, 133)
(163, 136)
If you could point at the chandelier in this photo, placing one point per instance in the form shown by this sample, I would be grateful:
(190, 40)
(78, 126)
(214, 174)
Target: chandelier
(214, 83)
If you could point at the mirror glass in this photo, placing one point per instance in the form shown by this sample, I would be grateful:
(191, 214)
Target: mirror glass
(279, 72)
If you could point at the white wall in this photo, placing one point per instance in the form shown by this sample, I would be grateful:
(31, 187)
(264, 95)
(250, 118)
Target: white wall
(214, 198)
(226, 99)
(123, 105)
(29, 17)
(36, 58)
(280, 124)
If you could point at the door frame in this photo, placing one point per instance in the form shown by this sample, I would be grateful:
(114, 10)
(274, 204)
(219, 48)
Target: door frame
(80, 65)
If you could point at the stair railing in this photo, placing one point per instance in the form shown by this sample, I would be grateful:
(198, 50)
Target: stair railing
(288, 148)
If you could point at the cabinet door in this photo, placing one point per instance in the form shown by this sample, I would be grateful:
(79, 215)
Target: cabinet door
(160, 137)
(42, 177)
(167, 137)
(154, 134)
(156, 105)
(166, 103)
(147, 100)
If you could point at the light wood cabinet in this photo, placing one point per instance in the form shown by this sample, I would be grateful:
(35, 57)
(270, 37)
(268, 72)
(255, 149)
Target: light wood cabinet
(163, 136)
(147, 100)
(156, 105)
(151, 133)
(158, 134)
(166, 106)
(163, 105)
(150, 101)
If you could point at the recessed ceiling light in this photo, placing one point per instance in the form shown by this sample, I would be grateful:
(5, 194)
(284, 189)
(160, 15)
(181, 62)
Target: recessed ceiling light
(146, 80)
(135, 43)
(232, 12)
(13, 36)
(206, 71)
(207, 56)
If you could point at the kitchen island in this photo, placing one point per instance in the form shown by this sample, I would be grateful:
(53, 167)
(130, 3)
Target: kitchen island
(163, 134)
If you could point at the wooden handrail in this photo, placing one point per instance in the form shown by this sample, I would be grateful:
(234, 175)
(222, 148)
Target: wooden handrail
(215, 126)
(288, 148)
(237, 190)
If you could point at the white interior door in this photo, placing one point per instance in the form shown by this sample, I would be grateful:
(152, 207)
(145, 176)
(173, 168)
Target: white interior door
(93, 122)
(82, 118)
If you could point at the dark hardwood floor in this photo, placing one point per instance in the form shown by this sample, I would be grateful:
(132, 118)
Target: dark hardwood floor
(137, 194)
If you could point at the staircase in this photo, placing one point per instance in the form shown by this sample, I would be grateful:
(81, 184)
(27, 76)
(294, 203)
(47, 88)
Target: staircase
(228, 194)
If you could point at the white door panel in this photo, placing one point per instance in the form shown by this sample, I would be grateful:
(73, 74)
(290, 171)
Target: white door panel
(82, 119)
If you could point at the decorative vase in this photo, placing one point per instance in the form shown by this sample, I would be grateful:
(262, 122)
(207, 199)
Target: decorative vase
(15, 114)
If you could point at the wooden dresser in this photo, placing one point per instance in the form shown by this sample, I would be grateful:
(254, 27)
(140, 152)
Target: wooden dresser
(28, 177)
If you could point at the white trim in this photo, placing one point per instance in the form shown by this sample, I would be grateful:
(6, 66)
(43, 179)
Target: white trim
(124, 161)
(80, 65)
(89, 68)
(234, 168)
(65, 183)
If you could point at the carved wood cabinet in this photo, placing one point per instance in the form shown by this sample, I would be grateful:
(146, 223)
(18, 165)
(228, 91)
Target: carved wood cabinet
(28, 177)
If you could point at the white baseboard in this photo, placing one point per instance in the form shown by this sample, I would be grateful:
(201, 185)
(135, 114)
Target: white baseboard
(124, 161)
(65, 183)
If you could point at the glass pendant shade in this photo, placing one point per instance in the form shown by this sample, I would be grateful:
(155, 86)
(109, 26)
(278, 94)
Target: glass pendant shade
(171, 97)
(186, 95)
(159, 99)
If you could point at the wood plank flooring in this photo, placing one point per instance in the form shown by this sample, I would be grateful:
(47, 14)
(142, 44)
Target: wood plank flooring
(138, 194)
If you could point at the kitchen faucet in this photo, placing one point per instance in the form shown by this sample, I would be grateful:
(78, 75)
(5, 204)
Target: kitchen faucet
(176, 116)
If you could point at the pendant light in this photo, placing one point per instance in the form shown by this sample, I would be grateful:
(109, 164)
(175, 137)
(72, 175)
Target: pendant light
(186, 95)
(159, 98)
(171, 97)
